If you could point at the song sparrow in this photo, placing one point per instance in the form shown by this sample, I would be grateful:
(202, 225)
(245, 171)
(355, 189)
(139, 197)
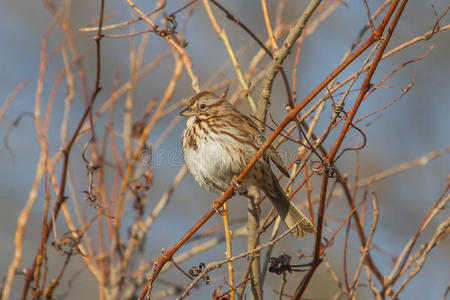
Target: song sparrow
(219, 141)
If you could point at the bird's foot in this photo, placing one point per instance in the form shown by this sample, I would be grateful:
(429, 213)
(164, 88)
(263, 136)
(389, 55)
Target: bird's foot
(218, 208)
(239, 190)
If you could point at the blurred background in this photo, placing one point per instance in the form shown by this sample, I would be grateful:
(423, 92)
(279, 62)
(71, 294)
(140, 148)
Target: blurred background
(416, 125)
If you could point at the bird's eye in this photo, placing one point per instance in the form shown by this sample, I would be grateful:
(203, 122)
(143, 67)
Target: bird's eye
(202, 106)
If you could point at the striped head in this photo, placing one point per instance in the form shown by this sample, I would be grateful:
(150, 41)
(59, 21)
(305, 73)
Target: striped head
(205, 105)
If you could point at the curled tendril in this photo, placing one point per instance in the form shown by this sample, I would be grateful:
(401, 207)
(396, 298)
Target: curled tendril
(172, 24)
(354, 148)
(337, 110)
(323, 167)
(90, 194)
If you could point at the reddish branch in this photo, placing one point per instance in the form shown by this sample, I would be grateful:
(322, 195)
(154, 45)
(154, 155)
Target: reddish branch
(332, 154)
(291, 116)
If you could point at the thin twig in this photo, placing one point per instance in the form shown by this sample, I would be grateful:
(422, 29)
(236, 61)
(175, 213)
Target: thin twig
(12, 96)
(224, 37)
(218, 264)
(366, 249)
(268, 25)
(229, 253)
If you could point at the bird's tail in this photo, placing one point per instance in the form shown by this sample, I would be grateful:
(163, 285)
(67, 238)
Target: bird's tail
(294, 219)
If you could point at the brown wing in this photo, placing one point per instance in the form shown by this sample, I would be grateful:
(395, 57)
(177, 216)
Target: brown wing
(271, 152)
(276, 158)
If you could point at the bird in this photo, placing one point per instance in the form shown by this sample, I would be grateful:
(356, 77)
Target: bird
(218, 142)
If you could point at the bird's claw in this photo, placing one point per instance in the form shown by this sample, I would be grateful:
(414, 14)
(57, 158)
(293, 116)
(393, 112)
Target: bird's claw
(237, 186)
(218, 208)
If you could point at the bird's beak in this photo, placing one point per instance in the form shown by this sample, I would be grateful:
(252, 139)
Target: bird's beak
(187, 112)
